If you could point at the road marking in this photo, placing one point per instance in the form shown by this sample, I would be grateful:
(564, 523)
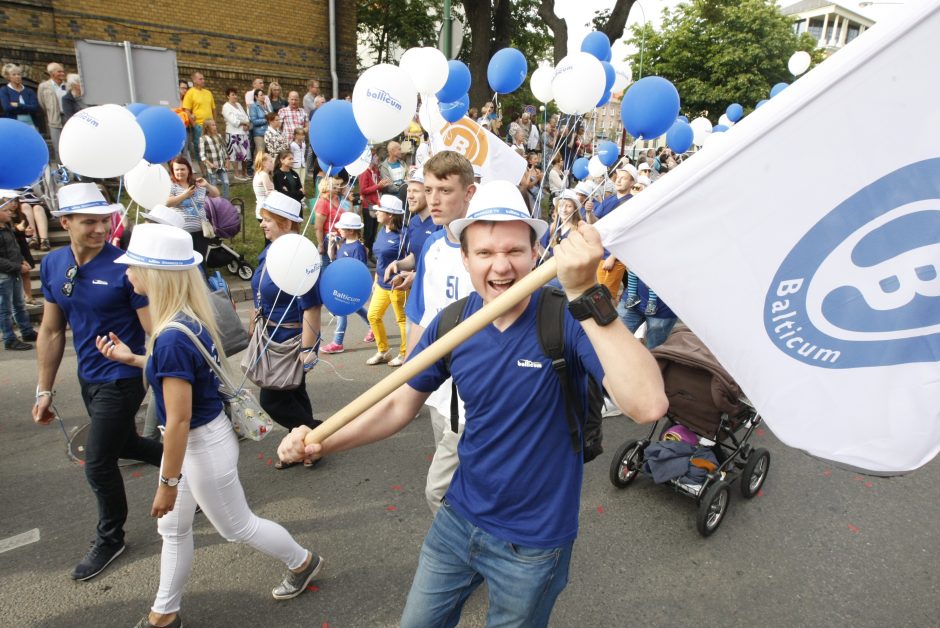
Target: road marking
(19, 540)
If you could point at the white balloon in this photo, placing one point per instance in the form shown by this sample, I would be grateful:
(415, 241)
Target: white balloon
(102, 142)
(426, 67)
(701, 129)
(148, 184)
(384, 101)
(429, 115)
(725, 120)
(541, 83)
(293, 263)
(623, 76)
(578, 83)
(799, 62)
(359, 166)
(595, 167)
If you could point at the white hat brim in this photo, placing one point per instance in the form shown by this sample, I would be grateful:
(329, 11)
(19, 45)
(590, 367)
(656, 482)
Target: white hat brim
(539, 226)
(283, 214)
(103, 210)
(387, 210)
(128, 261)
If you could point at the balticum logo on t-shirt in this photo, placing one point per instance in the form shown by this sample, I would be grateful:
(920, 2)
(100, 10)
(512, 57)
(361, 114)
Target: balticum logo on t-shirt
(383, 96)
(862, 287)
(529, 364)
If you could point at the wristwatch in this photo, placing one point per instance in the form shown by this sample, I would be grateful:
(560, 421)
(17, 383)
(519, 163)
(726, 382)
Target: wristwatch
(594, 303)
(171, 482)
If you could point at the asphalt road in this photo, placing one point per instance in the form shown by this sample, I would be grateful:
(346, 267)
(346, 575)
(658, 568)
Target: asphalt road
(820, 546)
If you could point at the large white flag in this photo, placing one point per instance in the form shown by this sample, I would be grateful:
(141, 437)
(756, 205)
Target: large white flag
(803, 247)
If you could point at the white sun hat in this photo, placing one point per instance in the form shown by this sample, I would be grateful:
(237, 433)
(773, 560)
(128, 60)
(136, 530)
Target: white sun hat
(283, 205)
(498, 201)
(629, 169)
(643, 166)
(644, 181)
(568, 195)
(417, 176)
(389, 204)
(163, 215)
(84, 198)
(585, 189)
(349, 220)
(160, 246)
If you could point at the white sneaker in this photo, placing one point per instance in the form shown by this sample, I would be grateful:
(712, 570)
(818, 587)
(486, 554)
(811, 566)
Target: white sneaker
(379, 358)
(398, 360)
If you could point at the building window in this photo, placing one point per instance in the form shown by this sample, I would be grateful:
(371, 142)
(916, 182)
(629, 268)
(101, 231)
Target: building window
(815, 27)
(852, 32)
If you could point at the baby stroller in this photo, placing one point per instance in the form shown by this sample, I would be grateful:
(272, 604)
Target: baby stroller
(710, 410)
(227, 222)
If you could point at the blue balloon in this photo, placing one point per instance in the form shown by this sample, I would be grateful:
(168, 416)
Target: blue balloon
(776, 89)
(580, 168)
(25, 156)
(679, 137)
(603, 100)
(453, 111)
(458, 82)
(328, 168)
(345, 286)
(649, 107)
(334, 135)
(609, 77)
(607, 153)
(136, 108)
(506, 71)
(164, 132)
(597, 44)
(734, 112)
(683, 118)
(719, 128)
(760, 103)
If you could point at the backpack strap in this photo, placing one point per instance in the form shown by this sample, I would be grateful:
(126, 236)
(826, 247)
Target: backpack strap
(450, 318)
(550, 325)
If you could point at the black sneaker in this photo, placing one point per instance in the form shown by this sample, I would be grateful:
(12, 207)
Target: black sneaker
(145, 623)
(96, 560)
(295, 583)
(30, 337)
(17, 345)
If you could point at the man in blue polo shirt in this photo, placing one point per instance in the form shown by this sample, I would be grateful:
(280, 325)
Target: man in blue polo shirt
(85, 290)
(510, 516)
(420, 227)
(610, 271)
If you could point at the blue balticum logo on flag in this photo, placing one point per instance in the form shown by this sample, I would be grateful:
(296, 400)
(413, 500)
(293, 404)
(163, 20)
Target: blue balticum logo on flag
(862, 287)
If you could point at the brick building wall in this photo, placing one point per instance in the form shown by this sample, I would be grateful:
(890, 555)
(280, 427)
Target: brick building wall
(231, 42)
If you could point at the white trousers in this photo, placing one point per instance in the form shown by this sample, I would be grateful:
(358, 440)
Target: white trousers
(210, 478)
(445, 460)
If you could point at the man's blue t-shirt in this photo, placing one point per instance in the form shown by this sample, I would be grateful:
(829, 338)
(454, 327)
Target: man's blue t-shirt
(175, 355)
(103, 300)
(519, 477)
(355, 250)
(275, 303)
(387, 249)
(418, 232)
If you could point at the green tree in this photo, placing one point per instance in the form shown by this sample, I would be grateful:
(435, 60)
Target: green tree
(396, 25)
(717, 52)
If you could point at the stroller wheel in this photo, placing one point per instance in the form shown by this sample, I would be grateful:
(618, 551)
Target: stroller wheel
(755, 472)
(246, 272)
(232, 267)
(712, 508)
(626, 463)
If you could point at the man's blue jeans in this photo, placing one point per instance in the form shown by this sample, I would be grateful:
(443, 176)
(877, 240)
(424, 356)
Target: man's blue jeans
(12, 307)
(657, 329)
(523, 582)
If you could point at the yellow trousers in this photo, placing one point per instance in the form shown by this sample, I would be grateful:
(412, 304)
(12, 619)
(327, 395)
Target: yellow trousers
(611, 278)
(381, 298)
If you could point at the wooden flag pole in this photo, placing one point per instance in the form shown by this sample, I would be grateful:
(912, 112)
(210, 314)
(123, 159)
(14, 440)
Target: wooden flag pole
(434, 352)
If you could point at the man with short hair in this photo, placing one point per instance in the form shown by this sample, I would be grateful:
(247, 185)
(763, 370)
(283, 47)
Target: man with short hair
(510, 516)
(420, 227)
(610, 271)
(310, 98)
(85, 290)
(200, 104)
(50, 93)
(258, 83)
(292, 117)
(393, 168)
(187, 119)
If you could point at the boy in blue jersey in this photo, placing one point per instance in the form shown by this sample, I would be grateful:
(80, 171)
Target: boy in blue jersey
(510, 516)
(85, 290)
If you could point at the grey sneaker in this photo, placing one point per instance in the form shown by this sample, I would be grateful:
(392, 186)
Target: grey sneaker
(96, 560)
(145, 623)
(295, 583)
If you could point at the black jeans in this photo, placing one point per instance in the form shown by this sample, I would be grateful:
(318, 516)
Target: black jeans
(289, 408)
(113, 435)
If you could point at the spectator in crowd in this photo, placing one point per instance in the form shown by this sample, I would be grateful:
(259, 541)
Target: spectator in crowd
(473, 113)
(12, 267)
(23, 231)
(262, 184)
(32, 208)
(18, 101)
(74, 99)
(550, 135)
(50, 93)
(487, 116)
(187, 119)
(393, 170)
(326, 214)
(251, 95)
(188, 197)
(286, 181)
(298, 148)
(556, 177)
(237, 126)
(214, 157)
(200, 103)
(274, 141)
(275, 100)
(371, 185)
(292, 117)
(310, 98)
(518, 141)
(258, 114)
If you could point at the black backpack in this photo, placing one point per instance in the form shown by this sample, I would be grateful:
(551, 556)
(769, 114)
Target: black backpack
(550, 326)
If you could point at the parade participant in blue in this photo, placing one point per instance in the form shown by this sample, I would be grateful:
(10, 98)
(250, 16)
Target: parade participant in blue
(610, 271)
(510, 516)
(387, 249)
(420, 227)
(286, 317)
(200, 456)
(350, 230)
(86, 291)
(565, 218)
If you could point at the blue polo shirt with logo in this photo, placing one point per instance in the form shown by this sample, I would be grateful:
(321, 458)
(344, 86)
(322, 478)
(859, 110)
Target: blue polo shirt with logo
(519, 477)
(418, 233)
(103, 300)
(387, 248)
